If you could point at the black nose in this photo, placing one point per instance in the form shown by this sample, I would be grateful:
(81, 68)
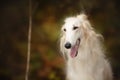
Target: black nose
(67, 45)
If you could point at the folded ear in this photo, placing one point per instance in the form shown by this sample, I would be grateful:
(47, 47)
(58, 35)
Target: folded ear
(84, 20)
(82, 17)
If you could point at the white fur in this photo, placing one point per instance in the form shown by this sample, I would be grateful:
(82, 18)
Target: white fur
(90, 63)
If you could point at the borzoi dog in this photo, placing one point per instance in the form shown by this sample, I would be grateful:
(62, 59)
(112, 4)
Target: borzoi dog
(82, 49)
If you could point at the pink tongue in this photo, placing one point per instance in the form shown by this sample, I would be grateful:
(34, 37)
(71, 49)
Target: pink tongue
(74, 50)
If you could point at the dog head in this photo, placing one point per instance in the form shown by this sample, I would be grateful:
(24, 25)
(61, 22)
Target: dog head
(73, 32)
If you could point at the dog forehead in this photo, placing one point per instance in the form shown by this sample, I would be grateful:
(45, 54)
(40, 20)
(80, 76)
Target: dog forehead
(71, 21)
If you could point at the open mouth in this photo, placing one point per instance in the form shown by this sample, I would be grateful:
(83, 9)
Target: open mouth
(74, 49)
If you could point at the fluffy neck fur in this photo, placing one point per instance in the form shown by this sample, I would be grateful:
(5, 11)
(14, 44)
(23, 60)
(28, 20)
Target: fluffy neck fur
(89, 62)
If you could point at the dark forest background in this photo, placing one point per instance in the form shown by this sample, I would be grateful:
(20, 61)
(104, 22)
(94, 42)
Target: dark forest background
(47, 19)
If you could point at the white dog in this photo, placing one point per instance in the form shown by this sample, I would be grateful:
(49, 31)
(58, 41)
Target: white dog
(82, 49)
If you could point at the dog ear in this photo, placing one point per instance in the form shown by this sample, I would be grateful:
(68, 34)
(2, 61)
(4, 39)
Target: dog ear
(82, 17)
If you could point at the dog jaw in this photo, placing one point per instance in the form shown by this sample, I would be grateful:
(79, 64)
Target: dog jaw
(74, 49)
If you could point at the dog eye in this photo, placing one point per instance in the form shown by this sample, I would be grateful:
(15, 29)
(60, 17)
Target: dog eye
(75, 27)
(64, 30)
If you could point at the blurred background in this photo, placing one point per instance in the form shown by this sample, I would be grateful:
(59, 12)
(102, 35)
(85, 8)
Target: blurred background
(48, 16)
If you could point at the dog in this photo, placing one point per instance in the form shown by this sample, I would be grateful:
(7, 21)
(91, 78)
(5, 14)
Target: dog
(83, 51)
